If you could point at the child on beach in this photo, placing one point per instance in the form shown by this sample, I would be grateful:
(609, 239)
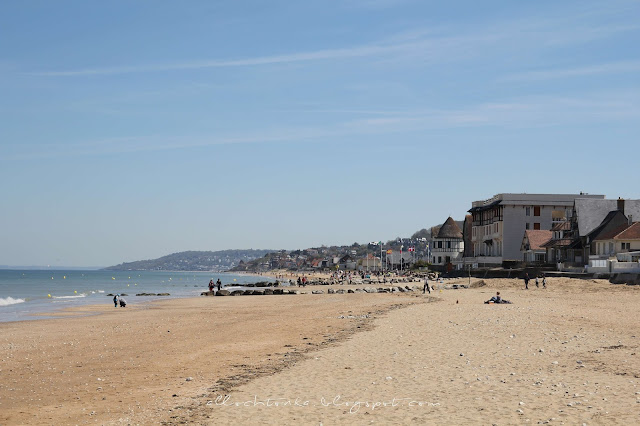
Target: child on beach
(115, 300)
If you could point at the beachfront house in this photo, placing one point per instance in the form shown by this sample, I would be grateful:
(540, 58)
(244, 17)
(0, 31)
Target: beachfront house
(591, 215)
(346, 262)
(447, 247)
(500, 221)
(617, 250)
(369, 263)
(560, 240)
(532, 247)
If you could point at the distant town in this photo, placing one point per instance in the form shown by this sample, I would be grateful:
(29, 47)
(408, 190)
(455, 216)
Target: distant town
(575, 233)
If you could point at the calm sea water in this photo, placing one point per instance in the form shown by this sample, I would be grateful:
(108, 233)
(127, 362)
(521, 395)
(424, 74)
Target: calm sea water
(24, 293)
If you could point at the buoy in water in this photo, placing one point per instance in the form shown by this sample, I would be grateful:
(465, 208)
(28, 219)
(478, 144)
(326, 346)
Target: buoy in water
(48, 295)
(75, 291)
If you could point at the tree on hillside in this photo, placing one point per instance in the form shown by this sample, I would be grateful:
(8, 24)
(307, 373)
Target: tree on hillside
(423, 233)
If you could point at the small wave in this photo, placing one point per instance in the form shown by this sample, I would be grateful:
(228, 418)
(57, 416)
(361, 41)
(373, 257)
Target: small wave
(69, 297)
(10, 301)
(100, 291)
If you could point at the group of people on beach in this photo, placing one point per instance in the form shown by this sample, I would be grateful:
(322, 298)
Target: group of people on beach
(217, 284)
(527, 279)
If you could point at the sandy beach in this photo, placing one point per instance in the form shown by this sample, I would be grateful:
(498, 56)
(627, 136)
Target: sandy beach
(561, 355)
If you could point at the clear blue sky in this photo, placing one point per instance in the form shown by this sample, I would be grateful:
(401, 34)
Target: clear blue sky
(134, 129)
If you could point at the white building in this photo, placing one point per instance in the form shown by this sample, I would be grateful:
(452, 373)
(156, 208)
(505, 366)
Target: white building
(448, 246)
(499, 222)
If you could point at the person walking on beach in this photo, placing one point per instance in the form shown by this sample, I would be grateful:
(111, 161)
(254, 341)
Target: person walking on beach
(219, 284)
(526, 281)
(426, 286)
(299, 281)
(115, 300)
(537, 283)
(544, 281)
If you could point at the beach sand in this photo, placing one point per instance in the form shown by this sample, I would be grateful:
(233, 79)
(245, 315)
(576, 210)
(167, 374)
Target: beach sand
(139, 364)
(566, 354)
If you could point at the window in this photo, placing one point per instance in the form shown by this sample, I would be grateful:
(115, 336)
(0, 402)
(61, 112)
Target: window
(527, 212)
(526, 225)
(536, 210)
(439, 244)
(626, 246)
(448, 244)
(536, 225)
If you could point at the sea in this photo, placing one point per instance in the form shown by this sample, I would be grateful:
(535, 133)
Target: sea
(31, 294)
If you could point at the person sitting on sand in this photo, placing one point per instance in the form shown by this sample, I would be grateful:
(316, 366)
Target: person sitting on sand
(497, 299)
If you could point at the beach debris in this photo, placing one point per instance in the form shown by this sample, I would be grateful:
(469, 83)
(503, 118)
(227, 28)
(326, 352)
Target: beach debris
(188, 379)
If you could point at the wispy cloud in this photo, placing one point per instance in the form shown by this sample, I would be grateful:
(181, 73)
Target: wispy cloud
(353, 52)
(610, 68)
(435, 44)
(521, 113)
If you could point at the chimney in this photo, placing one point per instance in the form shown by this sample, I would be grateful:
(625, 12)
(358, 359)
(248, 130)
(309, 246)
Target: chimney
(621, 204)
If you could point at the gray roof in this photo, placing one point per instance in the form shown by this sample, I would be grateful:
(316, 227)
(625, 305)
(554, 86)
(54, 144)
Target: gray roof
(591, 212)
(450, 229)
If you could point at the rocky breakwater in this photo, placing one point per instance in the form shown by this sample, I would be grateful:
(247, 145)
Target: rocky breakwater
(294, 290)
(250, 292)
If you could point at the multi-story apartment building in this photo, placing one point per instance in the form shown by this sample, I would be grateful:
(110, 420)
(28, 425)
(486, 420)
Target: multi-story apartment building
(499, 223)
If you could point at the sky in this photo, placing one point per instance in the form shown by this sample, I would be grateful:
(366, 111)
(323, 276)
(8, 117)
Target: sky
(135, 129)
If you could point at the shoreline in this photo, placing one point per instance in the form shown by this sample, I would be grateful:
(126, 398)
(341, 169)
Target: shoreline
(35, 306)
